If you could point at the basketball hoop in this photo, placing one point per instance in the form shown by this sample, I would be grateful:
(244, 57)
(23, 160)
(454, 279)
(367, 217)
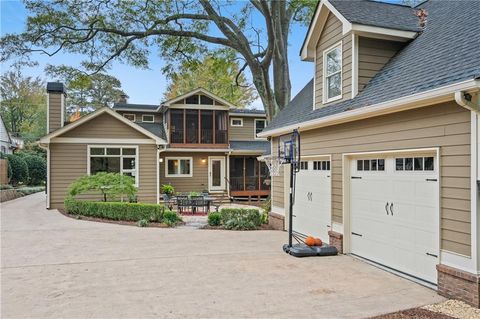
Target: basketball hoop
(273, 164)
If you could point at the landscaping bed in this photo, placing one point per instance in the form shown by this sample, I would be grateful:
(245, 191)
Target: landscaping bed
(237, 219)
(7, 192)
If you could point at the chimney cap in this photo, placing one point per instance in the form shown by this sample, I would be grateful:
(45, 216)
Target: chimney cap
(56, 87)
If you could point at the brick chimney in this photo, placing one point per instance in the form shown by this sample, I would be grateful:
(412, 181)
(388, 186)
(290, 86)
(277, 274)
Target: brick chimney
(56, 106)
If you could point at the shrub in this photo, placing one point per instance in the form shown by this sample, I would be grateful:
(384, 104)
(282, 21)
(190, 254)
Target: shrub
(168, 189)
(115, 210)
(31, 190)
(37, 169)
(19, 167)
(240, 218)
(111, 185)
(142, 223)
(214, 219)
(171, 218)
(267, 205)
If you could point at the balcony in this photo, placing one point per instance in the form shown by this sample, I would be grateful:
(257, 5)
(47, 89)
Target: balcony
(198, 128)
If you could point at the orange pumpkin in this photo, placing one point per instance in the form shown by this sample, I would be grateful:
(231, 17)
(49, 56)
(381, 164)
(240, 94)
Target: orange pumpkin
(310, 241)
(318, 242)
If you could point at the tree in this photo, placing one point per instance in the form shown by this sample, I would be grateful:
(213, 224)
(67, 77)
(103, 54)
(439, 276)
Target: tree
(110, 185)
(23, 104)
(19, 169)
(37, 169)
(128, 30)
(86, 92)
(216, 73)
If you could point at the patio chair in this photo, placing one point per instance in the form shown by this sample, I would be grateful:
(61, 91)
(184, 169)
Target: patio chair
(199, 203)
(183, 203)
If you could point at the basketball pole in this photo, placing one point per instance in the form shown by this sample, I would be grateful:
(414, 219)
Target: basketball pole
(290, 208)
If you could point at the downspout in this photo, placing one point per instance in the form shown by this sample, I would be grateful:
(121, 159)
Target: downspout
(228, 172)
(47, 187)
(160, 149)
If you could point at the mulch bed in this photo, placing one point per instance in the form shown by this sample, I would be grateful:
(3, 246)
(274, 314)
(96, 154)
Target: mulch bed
(415, 313)
(118, 222)
(262, 227)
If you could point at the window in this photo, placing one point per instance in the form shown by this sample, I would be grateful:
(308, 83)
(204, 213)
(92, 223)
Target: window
(414, 164)
(205, 100)
(259, 126)
(113, 159)
(193, 99)
(179, 167)
(321, 165)
(377, 164)
(304, 165)
(148, 118)
(332, 76)
(130, 117)
(236, 122)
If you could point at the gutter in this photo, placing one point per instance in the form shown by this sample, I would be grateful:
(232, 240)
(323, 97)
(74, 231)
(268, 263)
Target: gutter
(418, 100)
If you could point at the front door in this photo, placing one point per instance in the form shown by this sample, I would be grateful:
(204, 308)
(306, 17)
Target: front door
(216, 174)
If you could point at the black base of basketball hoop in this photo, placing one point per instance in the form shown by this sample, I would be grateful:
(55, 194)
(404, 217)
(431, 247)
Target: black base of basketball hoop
(302, 250)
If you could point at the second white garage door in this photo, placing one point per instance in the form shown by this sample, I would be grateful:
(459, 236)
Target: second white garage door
(394, 212)
(312, 208)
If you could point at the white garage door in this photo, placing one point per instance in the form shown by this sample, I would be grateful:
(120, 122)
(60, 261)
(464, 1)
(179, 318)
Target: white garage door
(312, 208)
(394, 212)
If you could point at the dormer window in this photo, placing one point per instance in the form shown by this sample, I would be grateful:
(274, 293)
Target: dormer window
(148, 118)
(332, 75)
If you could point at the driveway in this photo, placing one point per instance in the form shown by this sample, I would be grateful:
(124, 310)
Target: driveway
(58, 267)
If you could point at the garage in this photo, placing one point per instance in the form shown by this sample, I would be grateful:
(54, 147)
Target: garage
(394, 212)
(312, 207)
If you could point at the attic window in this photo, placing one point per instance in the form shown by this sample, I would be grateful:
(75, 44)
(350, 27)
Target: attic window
(192, 99)
(332, 77)
(205, 100)
(147, 118)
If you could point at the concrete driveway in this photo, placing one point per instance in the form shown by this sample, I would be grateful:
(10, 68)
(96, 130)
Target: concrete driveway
(57, 267)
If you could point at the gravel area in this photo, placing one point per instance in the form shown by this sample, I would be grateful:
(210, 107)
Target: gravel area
(455, 309)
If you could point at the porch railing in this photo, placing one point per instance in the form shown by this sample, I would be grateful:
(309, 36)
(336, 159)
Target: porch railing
(250, 183)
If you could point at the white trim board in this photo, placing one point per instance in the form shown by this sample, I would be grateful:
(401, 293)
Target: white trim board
(80, 140)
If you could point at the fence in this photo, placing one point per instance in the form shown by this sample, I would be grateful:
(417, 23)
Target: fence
(3, 172)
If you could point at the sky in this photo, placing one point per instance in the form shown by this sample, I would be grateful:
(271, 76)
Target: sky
(142, 86)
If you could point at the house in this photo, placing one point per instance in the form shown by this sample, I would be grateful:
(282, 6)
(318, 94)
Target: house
(8, 142)
(390, 139)
(195, 142)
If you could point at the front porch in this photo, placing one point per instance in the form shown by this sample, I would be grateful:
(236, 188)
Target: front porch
(249, 179)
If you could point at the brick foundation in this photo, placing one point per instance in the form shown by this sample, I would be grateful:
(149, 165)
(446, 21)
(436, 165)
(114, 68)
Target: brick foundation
(276, 221)
(458, 284)
(336, 239)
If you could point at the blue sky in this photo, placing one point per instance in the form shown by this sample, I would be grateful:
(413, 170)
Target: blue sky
(143, 86)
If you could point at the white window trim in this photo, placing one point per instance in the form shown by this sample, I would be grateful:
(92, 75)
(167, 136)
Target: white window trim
(152, 121)
(236, 119)
(134, 116)
(178, 158)
(137, 163)
(255, 128)
(325, 98)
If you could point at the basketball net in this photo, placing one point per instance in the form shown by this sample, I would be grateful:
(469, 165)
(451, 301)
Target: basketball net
(273, 164)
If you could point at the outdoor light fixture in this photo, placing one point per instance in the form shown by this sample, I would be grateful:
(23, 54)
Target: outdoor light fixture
(161, 160)
(203, 160)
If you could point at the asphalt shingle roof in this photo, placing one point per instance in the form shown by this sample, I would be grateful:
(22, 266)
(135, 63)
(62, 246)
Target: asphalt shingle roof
(254, 146)
(134, 107)
(378, 14)
(248, 111)
(156, 128)
(446, 52)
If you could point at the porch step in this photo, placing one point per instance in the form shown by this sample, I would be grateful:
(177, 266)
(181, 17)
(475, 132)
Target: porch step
(220, 198)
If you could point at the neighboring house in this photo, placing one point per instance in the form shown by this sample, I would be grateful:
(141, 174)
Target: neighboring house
(195, 142)
(8, 142)
(390, 139)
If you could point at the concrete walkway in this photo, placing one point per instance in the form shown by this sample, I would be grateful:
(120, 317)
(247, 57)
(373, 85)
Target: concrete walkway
(58, 267)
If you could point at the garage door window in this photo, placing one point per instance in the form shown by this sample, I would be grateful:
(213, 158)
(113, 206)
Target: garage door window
(377, 164)
(321, 165)
(415, 164)
(304, 165)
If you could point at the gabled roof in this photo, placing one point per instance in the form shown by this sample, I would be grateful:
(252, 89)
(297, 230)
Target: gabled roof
(441, 58)
(156, 128)
(239, 111)
(199, 91)
(392, 21)
(136, 107)
(46, 139)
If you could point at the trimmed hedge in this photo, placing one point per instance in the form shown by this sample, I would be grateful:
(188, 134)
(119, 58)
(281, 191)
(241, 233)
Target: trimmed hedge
(19, 172)
(116, 210)
(37, 169)
(240, 218)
